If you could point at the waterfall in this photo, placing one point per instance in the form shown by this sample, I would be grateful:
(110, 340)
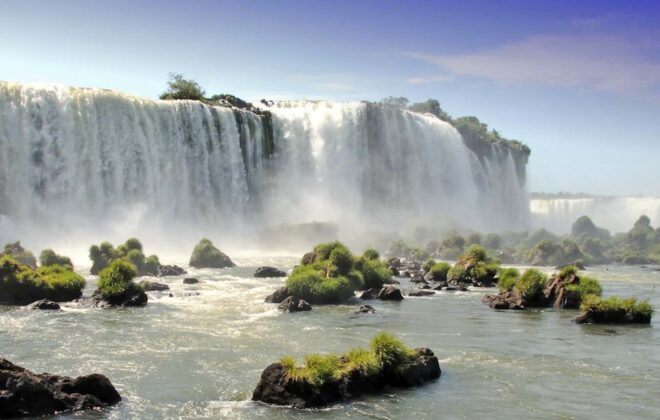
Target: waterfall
(75, 159)
(618, 214)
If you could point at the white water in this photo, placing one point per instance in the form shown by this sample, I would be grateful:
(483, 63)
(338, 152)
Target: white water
(91, 164)
(618, 214)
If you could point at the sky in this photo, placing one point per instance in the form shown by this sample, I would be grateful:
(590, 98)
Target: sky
(578, 81)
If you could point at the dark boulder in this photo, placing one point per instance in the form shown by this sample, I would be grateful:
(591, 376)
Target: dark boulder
(170, 270)
(507, 300)
(134, 296)
(370, 294)
(269, 272)
(278, 296)
(309, 258)
(619, 316)
(26, 394)
(152, 286)
(425, 368)
(292, 304)
(390, 293)
(44, 304)
(190, 280)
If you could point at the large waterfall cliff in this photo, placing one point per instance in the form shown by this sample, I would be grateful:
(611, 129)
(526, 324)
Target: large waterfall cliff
(72, 157)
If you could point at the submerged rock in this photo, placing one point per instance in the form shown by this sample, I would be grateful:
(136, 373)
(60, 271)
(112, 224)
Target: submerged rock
(44, 304)
(292, 304)
(366, 309)
(190, 280)
(276, 387)
(26, 394)
(421, 293)
(130, 298)
(268, 272)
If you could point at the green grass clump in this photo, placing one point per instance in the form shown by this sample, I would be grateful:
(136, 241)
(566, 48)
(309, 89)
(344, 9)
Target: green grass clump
(474, 267)
(49, 257)
(330, 274)
(426, 266)
(531, 284)
(105, 253)
(567, 271)
(586, 286)
(21, 284)
(117, 279)
(440, 270)
(507, 279)
(385, 353)
(614, 304)
(311, 283)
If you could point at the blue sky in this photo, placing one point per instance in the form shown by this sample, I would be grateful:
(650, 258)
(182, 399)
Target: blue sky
(579, 82)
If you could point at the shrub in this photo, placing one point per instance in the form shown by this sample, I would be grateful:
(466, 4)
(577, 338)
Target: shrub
(507, 278)
(341, 260)
(531, 284)
(476, 253)
(117, 279)
(181, 88)
(49, 257)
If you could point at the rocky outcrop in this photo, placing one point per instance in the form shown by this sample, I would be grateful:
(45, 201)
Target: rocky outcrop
(276, 387)
(26, 394)
(133, 297)
(555, 295)
(292, 304)
(205, 255)
(621, 316)
(263, 272)
(170, 270)
(44, 304)
(278, 296)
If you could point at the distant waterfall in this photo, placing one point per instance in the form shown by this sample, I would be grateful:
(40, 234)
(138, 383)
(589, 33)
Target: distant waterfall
(618, 214)
(73, 158)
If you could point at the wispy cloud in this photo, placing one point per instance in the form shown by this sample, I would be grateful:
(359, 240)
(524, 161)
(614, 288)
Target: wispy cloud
(422, 80)
(597, 61)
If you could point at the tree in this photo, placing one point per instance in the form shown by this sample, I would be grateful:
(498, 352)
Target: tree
(181, 88)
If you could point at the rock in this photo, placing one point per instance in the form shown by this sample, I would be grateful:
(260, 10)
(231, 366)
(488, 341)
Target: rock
(205, 255)
(170, 270)
(268, 272)
(44, 304)
(292, 304)
(394, 262)
(275, 387)
(152, 286)
(365, 309)
(612, 317)
(26, 394)
(190, 280)
(418, 279)
(440, 285)
(278, 296)
(132, 297)
(370, 294)
(425, 368)
(309, 258)
(390, 293)
(425, 287)
(508, 300)
(420, 293)
(394, 270)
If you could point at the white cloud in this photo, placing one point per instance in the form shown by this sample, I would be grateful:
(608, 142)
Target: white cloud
(595, 61)
(334, 82)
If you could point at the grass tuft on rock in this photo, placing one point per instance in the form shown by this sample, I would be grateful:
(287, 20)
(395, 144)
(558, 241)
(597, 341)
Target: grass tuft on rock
(507, 279)
(117, 279)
